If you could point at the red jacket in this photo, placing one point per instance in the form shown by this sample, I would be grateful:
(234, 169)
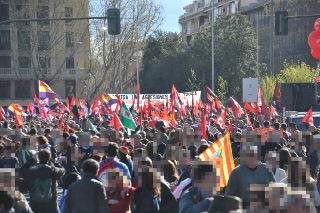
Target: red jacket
(124, 203)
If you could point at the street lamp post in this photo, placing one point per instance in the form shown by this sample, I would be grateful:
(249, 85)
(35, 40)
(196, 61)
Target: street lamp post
(212, 45)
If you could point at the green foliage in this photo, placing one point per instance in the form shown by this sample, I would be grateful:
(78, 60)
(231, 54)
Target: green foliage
(294, 73)
(222, 88)
(168, 59)
(193, 84)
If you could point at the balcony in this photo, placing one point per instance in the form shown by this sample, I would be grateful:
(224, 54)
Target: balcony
(26, 73)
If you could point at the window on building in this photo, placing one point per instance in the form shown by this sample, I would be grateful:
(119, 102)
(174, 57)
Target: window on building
(24, 62)
(4, 89)
(4, 12)
(68, 12)
(4, 40)
(5, 62)
(70, 86)
(22, 89)
(44, 62)
(69, 39)
(69, 62)
(24, 40)
(43, 12)
(43, 40)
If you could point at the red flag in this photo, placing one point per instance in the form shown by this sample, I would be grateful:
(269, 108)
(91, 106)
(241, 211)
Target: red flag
(98, 101)
(116, 122)
(172, 119)
(149, 105)
(67, 127)
(249, 107)
(256, 107)
(19, 121)
(91, 107)
(308, 118)
(261, 103)
(81, 104)
(203, 126)
(119, 103)
(248, 123)
(73, 101)
(229, 110)
(61, 122)
(236, 108)
(221, 120)
(273, 111)
(276, 97)
(140, 117)
(145, 113)
(219, 104)
(164, 115)
(210, 94)
(2, 118)
(28, 107)
(157, 107)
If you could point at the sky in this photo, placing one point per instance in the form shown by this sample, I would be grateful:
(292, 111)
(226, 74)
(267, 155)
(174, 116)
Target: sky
(172, 9)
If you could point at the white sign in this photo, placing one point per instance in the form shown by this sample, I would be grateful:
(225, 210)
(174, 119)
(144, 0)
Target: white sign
(250, 89)
(186, 98)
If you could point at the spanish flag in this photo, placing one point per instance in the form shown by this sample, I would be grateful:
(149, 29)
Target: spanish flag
(46, 92)
(220, 151)
(109, 100)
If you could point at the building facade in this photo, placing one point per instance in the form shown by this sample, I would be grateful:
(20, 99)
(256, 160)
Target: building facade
(56, 52)
(292, 48)
(198, 15)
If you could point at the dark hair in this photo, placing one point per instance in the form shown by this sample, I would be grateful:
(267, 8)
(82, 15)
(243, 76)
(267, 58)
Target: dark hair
(6, 199)
(42, 140)
(162, 129)
(170, 171)
(44, 156)
(161, 148)
(65, 135)
(33, 131)
(112, 149)
(201, 148)
(276, 126)
(266, 124)
(284, 159)
(47, 131)
(150, 148)
(201, 168)
(284, 126)
(90, 166)
(150, 181)
(95, 157)
(69, 179)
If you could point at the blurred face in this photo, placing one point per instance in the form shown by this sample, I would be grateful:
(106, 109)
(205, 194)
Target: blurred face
(208, 183)
(184, 157)
(301, 205)
(271, 160)
(250, 156)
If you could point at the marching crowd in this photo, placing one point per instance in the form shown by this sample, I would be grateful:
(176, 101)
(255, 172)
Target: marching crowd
(156, 168)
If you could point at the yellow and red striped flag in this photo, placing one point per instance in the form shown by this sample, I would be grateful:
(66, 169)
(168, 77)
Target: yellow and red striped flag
(220, 152)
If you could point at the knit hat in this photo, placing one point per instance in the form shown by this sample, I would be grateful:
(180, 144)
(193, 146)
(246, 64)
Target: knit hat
(124, 150)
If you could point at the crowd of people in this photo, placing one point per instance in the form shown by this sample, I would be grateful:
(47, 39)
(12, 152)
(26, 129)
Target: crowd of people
(80, 169)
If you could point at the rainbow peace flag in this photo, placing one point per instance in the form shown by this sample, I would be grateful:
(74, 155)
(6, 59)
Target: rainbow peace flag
(46, 92)
(15, 109)
(220, 152)
(109, 100)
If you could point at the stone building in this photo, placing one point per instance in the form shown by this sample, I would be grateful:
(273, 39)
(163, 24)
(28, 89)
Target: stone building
(56, 52)
(198, 15)
(292, 48)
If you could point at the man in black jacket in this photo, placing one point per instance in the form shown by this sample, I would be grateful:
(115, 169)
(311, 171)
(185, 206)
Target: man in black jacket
(46, 169)
(87, 195)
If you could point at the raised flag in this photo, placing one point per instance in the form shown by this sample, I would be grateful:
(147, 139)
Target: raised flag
(248, 107)
(248, 122)
(115, 122)
(18, 120)
(109, 100)
(276, 97)
(273, 111)
(210, 94)
(46, 92)
(308, 119)
(221, 120)
(15, 109)
(219, 105)
(220, 152)
(203, 125)
(91, 107)
(127, 118)
(73, 101)
(236, 108)
(92, 127)
(261, 103)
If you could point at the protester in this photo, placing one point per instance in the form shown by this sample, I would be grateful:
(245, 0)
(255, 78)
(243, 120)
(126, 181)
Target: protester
(88, 194)
(42, 181)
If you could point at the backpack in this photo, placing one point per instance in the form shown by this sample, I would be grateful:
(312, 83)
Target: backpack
(41, 191)
(102, 173)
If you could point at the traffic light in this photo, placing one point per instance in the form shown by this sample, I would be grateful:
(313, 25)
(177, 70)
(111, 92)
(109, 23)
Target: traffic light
(113, 16)
(281, 23)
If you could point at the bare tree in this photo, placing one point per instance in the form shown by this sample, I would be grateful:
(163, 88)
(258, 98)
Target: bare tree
(139, 18)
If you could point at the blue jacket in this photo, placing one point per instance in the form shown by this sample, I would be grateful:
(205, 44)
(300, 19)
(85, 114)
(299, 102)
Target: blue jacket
(193, 201)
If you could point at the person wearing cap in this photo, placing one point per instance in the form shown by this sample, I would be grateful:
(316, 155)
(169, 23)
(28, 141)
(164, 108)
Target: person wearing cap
(125, 158)
(71, 155)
